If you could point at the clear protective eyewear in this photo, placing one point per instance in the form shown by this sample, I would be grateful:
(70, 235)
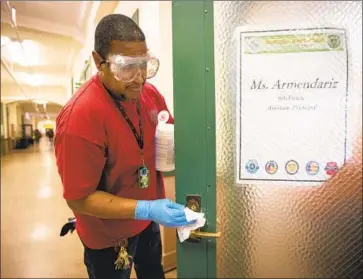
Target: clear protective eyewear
(127, 68)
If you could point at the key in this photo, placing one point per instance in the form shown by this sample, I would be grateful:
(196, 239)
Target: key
(123, 258)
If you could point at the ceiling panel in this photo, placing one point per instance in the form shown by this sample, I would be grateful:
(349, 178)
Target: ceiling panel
(62, 12)
(51, 35)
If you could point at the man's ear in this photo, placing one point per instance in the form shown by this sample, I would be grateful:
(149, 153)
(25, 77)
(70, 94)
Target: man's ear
(97, 59)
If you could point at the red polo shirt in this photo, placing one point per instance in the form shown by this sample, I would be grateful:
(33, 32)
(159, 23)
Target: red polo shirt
(95, 147)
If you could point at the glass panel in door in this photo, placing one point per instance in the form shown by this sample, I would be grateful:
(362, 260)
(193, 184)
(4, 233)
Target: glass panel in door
(272, 229)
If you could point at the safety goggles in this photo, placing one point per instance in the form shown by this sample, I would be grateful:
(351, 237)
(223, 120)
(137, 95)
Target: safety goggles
(126, 68)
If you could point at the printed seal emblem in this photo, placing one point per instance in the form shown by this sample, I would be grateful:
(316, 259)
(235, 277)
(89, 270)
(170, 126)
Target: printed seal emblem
(292, 167)
(252, 166)
(333, 41)
(312, 167)
(271, 167)
(331, 168)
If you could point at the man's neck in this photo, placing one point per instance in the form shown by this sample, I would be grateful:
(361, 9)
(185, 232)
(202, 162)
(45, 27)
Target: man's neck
(119, 97)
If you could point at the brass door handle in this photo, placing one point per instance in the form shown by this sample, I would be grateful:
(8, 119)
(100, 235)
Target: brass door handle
(199, 234)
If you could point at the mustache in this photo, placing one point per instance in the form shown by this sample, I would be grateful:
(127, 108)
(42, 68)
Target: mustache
(135, 84)
(139, 86)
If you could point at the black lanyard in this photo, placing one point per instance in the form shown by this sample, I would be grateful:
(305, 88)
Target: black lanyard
(139, 138)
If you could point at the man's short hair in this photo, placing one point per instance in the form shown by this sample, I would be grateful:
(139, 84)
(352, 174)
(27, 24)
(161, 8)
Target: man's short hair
(115, 27)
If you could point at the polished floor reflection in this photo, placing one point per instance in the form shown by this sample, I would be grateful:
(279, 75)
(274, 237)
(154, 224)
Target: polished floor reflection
(32, 213)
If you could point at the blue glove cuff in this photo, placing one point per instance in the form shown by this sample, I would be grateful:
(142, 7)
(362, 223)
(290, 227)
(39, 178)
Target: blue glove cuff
(142, 210)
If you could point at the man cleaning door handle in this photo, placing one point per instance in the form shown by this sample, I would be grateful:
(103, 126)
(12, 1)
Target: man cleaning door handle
(105, 150)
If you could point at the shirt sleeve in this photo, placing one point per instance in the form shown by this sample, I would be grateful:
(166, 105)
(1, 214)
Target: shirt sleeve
(81, 155)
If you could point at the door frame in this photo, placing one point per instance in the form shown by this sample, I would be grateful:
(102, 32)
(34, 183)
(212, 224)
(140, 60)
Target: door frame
(195, 129)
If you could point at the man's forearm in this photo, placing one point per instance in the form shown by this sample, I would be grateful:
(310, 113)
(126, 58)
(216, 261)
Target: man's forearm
(104, 205)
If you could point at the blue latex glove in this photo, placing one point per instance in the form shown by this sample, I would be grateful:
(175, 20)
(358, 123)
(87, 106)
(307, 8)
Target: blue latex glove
(164, 212)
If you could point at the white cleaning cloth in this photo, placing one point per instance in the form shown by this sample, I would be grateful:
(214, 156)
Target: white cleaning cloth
(184, 231)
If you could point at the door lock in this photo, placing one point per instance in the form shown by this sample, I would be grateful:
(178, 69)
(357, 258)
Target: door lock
(194, 203)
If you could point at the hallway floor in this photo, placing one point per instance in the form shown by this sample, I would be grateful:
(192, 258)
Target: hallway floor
(32, 214)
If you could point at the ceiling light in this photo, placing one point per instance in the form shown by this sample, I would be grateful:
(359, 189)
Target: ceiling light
(13, 16)
(35, 81)
(24, 53)
(5, 40)
(31, 79)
